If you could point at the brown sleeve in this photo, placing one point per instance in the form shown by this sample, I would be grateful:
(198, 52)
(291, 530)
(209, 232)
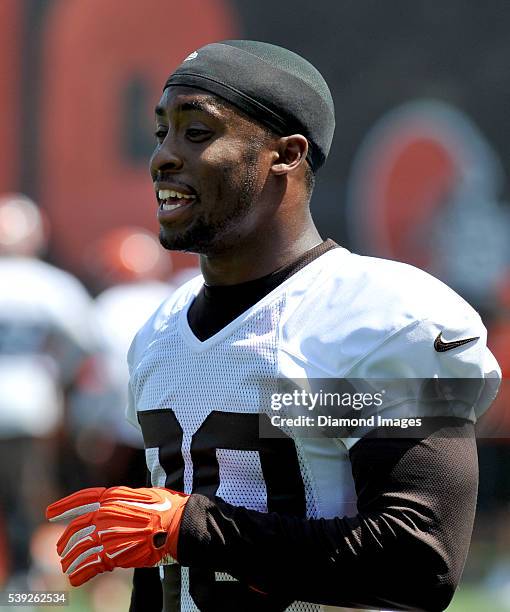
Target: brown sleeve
(405, 549)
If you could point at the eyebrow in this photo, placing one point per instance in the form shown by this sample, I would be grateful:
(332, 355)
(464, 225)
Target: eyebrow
(194, 105)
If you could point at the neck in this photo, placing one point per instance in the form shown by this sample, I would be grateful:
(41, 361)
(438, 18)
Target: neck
(255, 257)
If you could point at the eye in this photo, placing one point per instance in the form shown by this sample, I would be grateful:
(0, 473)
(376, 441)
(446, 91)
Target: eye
(160, 134)
(197, 135)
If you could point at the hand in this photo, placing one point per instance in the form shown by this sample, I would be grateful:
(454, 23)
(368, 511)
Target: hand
(116, 527)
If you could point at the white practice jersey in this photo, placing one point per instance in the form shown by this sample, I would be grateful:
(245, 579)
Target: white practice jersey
(46, 332)
(341, 316)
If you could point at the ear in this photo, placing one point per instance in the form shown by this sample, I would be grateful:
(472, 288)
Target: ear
(292, 152)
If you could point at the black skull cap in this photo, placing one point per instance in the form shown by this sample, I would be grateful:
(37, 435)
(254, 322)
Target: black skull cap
(273, 85)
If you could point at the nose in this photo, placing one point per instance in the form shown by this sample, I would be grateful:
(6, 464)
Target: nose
(165, 158)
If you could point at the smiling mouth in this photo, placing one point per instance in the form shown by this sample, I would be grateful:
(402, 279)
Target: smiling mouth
(171, 200)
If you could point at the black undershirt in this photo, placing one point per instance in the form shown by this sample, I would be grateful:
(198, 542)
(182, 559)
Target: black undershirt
(216, 306)
(404, 550)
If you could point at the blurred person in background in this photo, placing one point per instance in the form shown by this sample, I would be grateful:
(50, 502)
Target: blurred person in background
(131, 270)
(46, 337)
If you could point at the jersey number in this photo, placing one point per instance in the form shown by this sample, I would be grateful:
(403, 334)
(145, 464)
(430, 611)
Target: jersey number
(223, 430)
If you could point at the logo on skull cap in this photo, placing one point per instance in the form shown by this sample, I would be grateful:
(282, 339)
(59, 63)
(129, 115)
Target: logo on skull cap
(191, 56)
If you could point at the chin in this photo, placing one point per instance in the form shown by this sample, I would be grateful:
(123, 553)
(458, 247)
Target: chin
(190, 241)
(202, 238)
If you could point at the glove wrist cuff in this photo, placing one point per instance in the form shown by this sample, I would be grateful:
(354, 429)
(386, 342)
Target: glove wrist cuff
(174, 528)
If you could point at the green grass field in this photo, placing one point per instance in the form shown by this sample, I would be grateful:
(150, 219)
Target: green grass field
(471, 599)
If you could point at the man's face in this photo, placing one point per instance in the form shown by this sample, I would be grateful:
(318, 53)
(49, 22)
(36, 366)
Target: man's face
(218, 160)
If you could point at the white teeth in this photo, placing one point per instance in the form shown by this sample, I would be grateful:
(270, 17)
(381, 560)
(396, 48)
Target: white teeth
(164, 194)
(171, 206)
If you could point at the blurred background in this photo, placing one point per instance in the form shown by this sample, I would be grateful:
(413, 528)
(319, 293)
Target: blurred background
(418, 172)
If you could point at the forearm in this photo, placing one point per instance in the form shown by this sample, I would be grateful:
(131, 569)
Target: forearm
(405, 549)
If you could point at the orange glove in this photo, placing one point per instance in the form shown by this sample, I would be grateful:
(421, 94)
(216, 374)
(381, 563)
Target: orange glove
(117, 527)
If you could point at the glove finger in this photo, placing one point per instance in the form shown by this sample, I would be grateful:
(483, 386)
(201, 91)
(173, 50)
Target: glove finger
(87, 569)
(79, 537)
(122, 552)
(119, 515)
(79, 524)
(83, 575)
(116, 536)
(84, 553)
(76, 504)
(143, 494)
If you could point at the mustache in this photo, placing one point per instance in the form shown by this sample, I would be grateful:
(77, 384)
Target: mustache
(168, 177)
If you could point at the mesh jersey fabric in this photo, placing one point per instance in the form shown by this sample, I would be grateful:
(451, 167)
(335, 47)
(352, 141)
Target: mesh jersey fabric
(240, 471)
(216, 306)
(310, 325)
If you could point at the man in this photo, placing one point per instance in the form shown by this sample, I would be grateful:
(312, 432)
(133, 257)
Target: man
(242, 127)
(46, 339)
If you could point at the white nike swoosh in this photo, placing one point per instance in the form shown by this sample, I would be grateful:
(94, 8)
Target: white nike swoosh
(119, 552)
(166, 505)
